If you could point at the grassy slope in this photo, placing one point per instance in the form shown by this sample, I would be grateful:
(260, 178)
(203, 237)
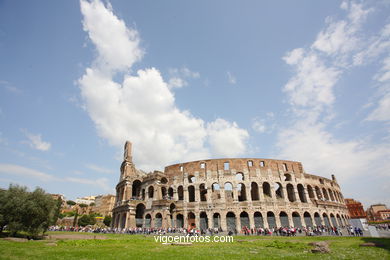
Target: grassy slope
(140, 247)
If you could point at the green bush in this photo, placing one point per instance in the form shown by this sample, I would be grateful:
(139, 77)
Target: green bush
(107, 221)
(31, 212)
(86, 220)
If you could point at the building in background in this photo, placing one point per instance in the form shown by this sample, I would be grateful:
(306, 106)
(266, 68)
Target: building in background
(355, 209)
(104, 204)
(378, 212)
(86, 200)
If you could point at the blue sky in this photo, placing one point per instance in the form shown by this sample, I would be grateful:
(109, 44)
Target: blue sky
(306, 81)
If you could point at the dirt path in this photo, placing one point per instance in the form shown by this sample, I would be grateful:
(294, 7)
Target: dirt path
(74, 236)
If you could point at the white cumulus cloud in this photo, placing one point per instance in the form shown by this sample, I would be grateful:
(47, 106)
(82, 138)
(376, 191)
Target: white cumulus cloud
(142, 108)
(35, 141)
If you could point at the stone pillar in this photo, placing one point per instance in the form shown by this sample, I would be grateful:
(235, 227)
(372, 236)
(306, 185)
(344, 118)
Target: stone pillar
(277, 220)
(209, 194)
(235, 193)
(222, 192)
(251, 220)
(210, 219)
(175, 195)
(197, 219)
(126, 217)
(272, 189)
(285, 194)
(261, 192)
(185, 194)
(131, 220)
(129, 191)
(306, 192)
(197, 193)
(297, 198)
(238, 223)
(290, 220)
(265, 220)
(248, 192)
(302, 220)
(223, 221)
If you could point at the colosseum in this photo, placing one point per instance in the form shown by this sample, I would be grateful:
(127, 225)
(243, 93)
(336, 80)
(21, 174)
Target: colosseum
(227, 194)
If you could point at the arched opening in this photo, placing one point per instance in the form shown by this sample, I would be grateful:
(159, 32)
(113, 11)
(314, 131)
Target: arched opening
(290, 192)
(333, 220)
(172, 208)
(337, 196)
(180, 192)
(148, 220)
(239, 176)
(202, 165)
(258, 218)
(317, 219)
(228, 191)
(241, 192)
(326, 197)
(216, 194)
(267, 190)
(179, 221)
(271, 219)
(318, 192)
(191, 179)
(279, 190)
(164, 180)
(139, 215)
(151, 191)
(136, 189)
(143, 194)
(310, 191)
(191, 193)
(191, 220)
(301, 193)
(284, 219)
(158, 220)
(170, 193)
(339, 220)
(204, 223)
(308, 221)
(250, 163)
(296, 219)
(217, 220)
(287, 177)
(202, 192)
(331, 194)
(244, 220)
(231, 221)
(254, 191)
(163, 193)
(326, 220)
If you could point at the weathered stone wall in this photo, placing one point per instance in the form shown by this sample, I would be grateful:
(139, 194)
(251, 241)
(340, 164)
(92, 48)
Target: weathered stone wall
(227, 194)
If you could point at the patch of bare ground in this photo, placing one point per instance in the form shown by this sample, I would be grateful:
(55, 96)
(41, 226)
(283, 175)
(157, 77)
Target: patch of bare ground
(74, 236)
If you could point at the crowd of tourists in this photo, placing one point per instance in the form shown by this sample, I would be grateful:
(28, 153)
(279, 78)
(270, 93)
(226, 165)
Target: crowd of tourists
(282, 231)
(384, 227)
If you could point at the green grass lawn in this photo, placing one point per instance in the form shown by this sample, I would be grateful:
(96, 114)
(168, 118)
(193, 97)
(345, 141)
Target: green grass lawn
(141, 247)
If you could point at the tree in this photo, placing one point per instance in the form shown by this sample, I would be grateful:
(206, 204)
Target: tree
(86, 220)
(107, 221)
(70, 202)
(21, 210)
(57, 213)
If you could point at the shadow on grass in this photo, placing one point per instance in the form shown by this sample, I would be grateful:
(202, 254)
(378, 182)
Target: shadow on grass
(5, 234)
(377, 242)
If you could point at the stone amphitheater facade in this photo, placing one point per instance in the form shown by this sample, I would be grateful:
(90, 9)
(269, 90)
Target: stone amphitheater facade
(227, 194)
